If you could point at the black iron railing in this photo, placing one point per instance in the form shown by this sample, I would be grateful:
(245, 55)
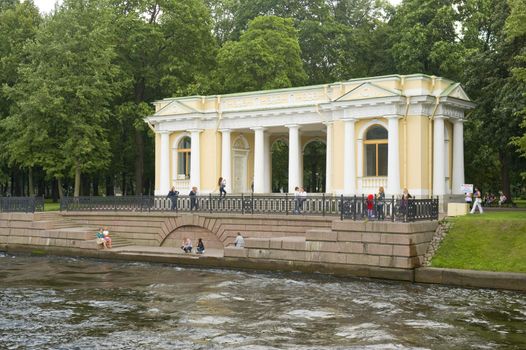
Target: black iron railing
(354, 208)
(21, 204)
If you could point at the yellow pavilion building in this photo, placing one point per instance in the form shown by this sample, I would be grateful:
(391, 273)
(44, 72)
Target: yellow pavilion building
(393, 131)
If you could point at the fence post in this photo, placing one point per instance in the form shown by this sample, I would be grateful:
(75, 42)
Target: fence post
(341, 207)
(287, 203)
(323, 203)
(355, 203)
(90, 203)
(210, 202)
(242, 203)
(252, 203)
(392, 208)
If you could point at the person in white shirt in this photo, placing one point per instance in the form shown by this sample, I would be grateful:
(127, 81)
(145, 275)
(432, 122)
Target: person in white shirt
(477, 202)
(239, 242)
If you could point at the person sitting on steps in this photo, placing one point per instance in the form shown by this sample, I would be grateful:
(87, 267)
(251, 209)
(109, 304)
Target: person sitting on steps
(200, 246)
(187, 245)
(100, 239)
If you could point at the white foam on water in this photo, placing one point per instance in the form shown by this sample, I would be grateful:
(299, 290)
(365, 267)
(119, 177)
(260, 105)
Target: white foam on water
(310, 314)
(366, 331)
(231, 338)
(212, 296)
(427, 324)
(211, 320)
(238, 298)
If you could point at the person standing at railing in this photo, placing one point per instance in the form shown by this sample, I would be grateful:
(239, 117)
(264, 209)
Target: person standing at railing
(404, 202)
(302, 198)
(370, 206)
(172, 196)
(380, 200)
(297, 200)
(222, 184)
(193, 199)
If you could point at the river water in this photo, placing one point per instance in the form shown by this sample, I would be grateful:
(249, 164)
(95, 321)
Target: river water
(64, 303)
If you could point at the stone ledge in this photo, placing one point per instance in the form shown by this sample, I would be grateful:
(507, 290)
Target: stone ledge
(471, 278)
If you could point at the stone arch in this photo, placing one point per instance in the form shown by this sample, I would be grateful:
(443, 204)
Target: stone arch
(173, 230)
(314, 139)
(240, 152)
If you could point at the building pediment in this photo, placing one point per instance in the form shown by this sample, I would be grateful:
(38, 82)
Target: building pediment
(175, 108)
(366, 91)
(455, 90)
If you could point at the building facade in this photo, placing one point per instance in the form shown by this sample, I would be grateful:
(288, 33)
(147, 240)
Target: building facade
(392, 131)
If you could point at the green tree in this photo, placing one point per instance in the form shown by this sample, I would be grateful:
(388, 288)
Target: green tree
(496, 91)
(18, 25)
(424, 40)
(267, 56)
(62, 97)
(165, 48)
(515, 29)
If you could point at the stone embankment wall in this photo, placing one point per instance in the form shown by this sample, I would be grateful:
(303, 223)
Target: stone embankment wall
(309, 243)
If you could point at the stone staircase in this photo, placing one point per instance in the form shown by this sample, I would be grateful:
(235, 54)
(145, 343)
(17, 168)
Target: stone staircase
(55, 223)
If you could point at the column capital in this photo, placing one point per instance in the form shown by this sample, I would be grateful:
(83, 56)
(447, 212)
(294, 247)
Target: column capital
(458, 120)
(292, 126)
(256, 128)
(328, 123)
(440, 116)
(225, 130)
(164, 132)
(349, 120)
(194, 130)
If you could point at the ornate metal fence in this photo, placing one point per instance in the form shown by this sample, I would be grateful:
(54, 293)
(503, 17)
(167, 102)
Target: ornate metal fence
(21, 204)
(353, 208)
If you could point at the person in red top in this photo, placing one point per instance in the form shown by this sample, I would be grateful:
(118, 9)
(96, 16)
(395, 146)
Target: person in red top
(370, 205)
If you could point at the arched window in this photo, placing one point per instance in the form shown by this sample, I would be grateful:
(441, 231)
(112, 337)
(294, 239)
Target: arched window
(376, 151)
(183, 158)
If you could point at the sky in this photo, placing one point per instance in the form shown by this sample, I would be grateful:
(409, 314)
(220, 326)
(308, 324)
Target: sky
(47, 5)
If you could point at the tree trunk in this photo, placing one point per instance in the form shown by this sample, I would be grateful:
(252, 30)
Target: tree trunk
(85, 185)
(31, 189)
(110, 191)
(54, 190)
(95, 184)
(139, 162)
(505, 173)
(60, 188)
(76, 193)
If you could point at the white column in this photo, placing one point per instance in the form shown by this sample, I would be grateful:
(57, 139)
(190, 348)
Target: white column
(458, 156)
(195, 159)
(328, 154)
(268, 164)
(294, 153)
(349, 161)
(259, 160)
(164, 177)
(439, 187)
(393, 156)
(226, 166)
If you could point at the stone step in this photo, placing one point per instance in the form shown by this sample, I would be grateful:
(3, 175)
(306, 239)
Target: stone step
(321, 235)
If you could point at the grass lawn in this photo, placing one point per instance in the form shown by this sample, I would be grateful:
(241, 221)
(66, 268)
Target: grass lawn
(50, 206)
(493, 241)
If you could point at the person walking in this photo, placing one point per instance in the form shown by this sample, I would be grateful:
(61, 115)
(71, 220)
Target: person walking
(478, 201)
(172, 196)
(193, 199)
(222, 184)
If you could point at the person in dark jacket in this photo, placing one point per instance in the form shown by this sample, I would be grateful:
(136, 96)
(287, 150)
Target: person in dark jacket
(193, 199)
(200, 246)
(172, 196)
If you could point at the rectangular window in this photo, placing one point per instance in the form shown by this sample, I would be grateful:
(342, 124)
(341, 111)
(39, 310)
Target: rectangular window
(382, 159)
(370, 159)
